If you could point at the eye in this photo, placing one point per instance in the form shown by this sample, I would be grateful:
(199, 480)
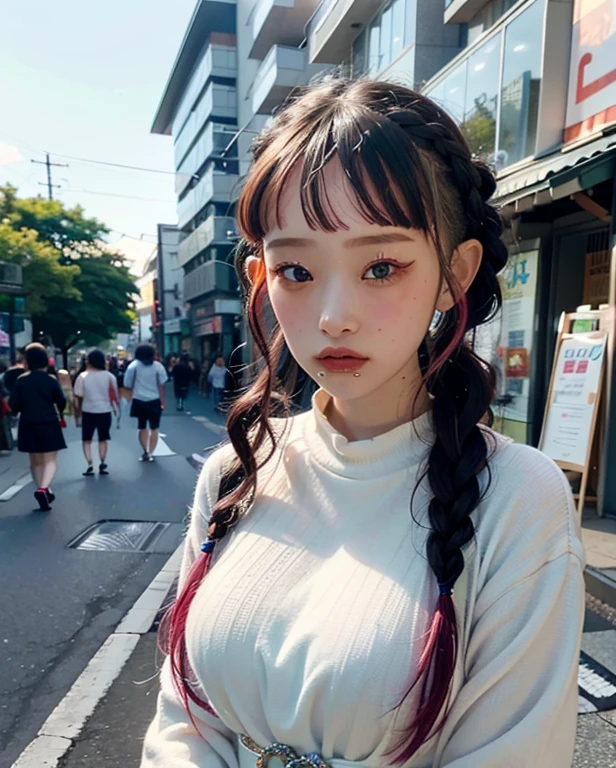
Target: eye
(294, 273)
(381, 271)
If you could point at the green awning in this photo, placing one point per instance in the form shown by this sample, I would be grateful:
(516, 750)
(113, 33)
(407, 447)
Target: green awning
(558, 174)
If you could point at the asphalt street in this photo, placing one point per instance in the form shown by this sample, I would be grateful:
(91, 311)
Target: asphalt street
(57, 604)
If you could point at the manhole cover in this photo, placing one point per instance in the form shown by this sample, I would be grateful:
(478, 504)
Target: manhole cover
(130, 536)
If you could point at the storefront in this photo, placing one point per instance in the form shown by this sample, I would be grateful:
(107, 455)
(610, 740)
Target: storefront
(560, 211)
(176, 331)
(215, 328)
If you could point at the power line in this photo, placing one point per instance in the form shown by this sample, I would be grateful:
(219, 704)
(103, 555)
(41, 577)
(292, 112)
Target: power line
(115, 194)
(48, 163)
(88, 159)
(117, 165)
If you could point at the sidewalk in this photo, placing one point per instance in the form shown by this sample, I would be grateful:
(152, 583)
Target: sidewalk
(599, 537)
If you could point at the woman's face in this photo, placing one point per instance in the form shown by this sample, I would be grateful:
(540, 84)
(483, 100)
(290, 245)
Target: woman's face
(368, 288)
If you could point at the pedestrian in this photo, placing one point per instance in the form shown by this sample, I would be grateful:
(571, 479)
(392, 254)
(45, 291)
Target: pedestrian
(6, 436)
(96, 389)
(40, 402)
(15, 371)
(203, 376)
(64, 379)
(145, 377)
(379, 580)
(182, 376)
(217, 379)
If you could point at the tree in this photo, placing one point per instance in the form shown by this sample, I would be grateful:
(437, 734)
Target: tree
(479, 127)
(89, 296)
(44, 276)
(106, 288)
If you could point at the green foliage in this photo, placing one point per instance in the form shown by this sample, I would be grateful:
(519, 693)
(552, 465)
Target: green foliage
(44, 276)
(479, 127)
(107, 288)
(72, 282)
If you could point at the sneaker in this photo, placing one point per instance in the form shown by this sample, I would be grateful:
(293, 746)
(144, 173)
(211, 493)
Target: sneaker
(150, 457)
(51, 496)
(103, 469)
(145, 456)
(89, 471)
(41, 497)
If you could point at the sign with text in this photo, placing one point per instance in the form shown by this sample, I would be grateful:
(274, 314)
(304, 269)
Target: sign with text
(591, 101)
(519, 287)
(572, 405)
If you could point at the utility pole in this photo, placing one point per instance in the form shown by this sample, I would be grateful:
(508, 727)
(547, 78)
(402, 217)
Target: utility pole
(48, 163)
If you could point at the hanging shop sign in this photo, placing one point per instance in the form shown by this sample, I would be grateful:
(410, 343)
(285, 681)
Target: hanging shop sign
(591, 101)
(213, 325)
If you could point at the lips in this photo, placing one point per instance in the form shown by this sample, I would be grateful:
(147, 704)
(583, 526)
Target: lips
(341, 360)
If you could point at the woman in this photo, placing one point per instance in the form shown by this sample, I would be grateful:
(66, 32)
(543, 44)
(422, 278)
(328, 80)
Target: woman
(96, 391)
(39, 400)
(181, 375)
(146, 378)
(217, 379)
(382, 579)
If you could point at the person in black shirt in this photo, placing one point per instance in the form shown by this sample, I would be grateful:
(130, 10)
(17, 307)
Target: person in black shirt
(14, 372)
(182, 376)
(39, 400)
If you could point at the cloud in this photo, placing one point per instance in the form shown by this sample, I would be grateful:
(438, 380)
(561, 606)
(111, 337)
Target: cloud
(9, 154)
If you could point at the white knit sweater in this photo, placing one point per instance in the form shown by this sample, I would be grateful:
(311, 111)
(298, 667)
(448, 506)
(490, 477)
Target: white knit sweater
(308, 628)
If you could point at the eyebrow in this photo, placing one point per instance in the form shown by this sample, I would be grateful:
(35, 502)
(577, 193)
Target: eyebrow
(354, 242)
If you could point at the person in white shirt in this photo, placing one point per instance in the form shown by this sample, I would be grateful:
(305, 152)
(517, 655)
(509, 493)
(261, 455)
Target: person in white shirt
(382, 580)
(97, 392)
(146, 378)
(217, 379)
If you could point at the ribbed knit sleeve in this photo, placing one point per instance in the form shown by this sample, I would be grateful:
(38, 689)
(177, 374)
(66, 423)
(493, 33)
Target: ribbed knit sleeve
(172, 740)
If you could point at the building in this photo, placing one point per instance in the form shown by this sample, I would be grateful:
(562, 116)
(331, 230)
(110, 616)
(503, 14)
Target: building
(172, 331)
(533, 86)
(147, 283)
(198, 110)
(539, 104)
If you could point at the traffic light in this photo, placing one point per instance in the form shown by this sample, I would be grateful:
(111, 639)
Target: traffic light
(158, 313)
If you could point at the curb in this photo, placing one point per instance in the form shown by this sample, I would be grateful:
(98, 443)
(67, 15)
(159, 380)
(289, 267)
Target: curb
(600, 586)
(67, 720)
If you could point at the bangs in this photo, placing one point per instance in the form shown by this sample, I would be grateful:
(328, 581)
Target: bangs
(386, 179)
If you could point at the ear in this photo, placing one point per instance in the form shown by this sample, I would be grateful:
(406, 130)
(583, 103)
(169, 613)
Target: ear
(252, 267)
(464, 266)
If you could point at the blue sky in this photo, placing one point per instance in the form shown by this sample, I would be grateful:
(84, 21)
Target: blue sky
(86, 83)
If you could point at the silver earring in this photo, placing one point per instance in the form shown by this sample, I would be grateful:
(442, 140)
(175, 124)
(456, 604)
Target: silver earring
(321, 374)
(357, 375)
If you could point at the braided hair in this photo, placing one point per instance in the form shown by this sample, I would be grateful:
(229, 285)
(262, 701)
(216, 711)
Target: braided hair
(379, 132)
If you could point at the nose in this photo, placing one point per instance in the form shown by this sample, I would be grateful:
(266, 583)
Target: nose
(339, 312)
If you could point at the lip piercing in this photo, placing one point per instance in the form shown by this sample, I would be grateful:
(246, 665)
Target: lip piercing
(357, 375)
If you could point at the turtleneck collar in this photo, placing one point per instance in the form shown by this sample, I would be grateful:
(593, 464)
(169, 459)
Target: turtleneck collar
(403, 447)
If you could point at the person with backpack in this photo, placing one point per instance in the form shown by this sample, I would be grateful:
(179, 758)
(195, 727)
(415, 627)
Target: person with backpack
(96, 390)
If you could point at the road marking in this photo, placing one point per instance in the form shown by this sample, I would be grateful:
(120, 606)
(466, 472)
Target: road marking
(218, 429)
(162, 449)
(63, 726)
(14, 489)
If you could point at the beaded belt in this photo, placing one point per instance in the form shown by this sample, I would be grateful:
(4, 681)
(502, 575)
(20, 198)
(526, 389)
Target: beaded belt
(288, 756)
